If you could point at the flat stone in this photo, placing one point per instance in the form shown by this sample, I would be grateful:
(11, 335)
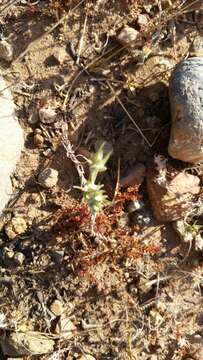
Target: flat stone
(26, 343)
(11, 142)
(65, 327)
(48, 178)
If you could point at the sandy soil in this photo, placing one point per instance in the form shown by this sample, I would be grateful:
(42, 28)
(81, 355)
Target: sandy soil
(145, 306)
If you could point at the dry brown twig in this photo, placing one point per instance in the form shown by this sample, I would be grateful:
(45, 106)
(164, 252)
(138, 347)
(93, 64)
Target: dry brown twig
(80, 46)
(128, 114)
(71, 155)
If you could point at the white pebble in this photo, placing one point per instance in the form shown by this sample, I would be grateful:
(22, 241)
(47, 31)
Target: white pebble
(47, 115)
(48, 178)
(11, 142)
(19, 258)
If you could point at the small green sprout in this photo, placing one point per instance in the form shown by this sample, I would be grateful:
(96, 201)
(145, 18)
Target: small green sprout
(93, 194)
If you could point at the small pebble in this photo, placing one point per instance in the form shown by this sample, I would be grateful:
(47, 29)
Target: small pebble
(142, 20)
(19, 258)
(141, 219)
(60, 55)
(57, 308)
(47, 152)
(9, 254)
(48, 178)
(38, 140)
(6, 51)
(47, 115)
(135, 205)
(15, 227)
(128, 36)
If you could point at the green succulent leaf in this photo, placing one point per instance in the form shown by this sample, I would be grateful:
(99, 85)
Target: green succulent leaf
(93, 194)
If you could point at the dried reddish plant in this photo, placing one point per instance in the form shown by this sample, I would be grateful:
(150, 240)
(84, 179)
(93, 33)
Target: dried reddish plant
(116, 243)
(70, 219)
(124, 196)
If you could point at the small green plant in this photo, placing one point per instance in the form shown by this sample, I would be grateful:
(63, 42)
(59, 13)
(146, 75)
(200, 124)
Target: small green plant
(93, 194)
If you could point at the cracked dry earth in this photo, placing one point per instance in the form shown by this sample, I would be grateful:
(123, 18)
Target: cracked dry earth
(136, 295)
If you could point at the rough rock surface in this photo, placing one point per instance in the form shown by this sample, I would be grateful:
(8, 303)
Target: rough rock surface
(48, 178)
(171, 193)
(128, 36)
(15, 227)
(186, 94)
(11, 142)
(29, 343)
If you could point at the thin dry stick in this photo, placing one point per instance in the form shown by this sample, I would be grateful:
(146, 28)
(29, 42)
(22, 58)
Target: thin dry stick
(191, 7)
(63, 19)
(81, 41)
(71, 155)
(8, 5)
(128, 114)
(118, 178)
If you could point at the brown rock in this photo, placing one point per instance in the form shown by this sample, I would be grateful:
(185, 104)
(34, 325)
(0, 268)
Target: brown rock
(196, 342)
(184, 183)
(172, 193)
(38, 140)
(128, 36)
(135, 177)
